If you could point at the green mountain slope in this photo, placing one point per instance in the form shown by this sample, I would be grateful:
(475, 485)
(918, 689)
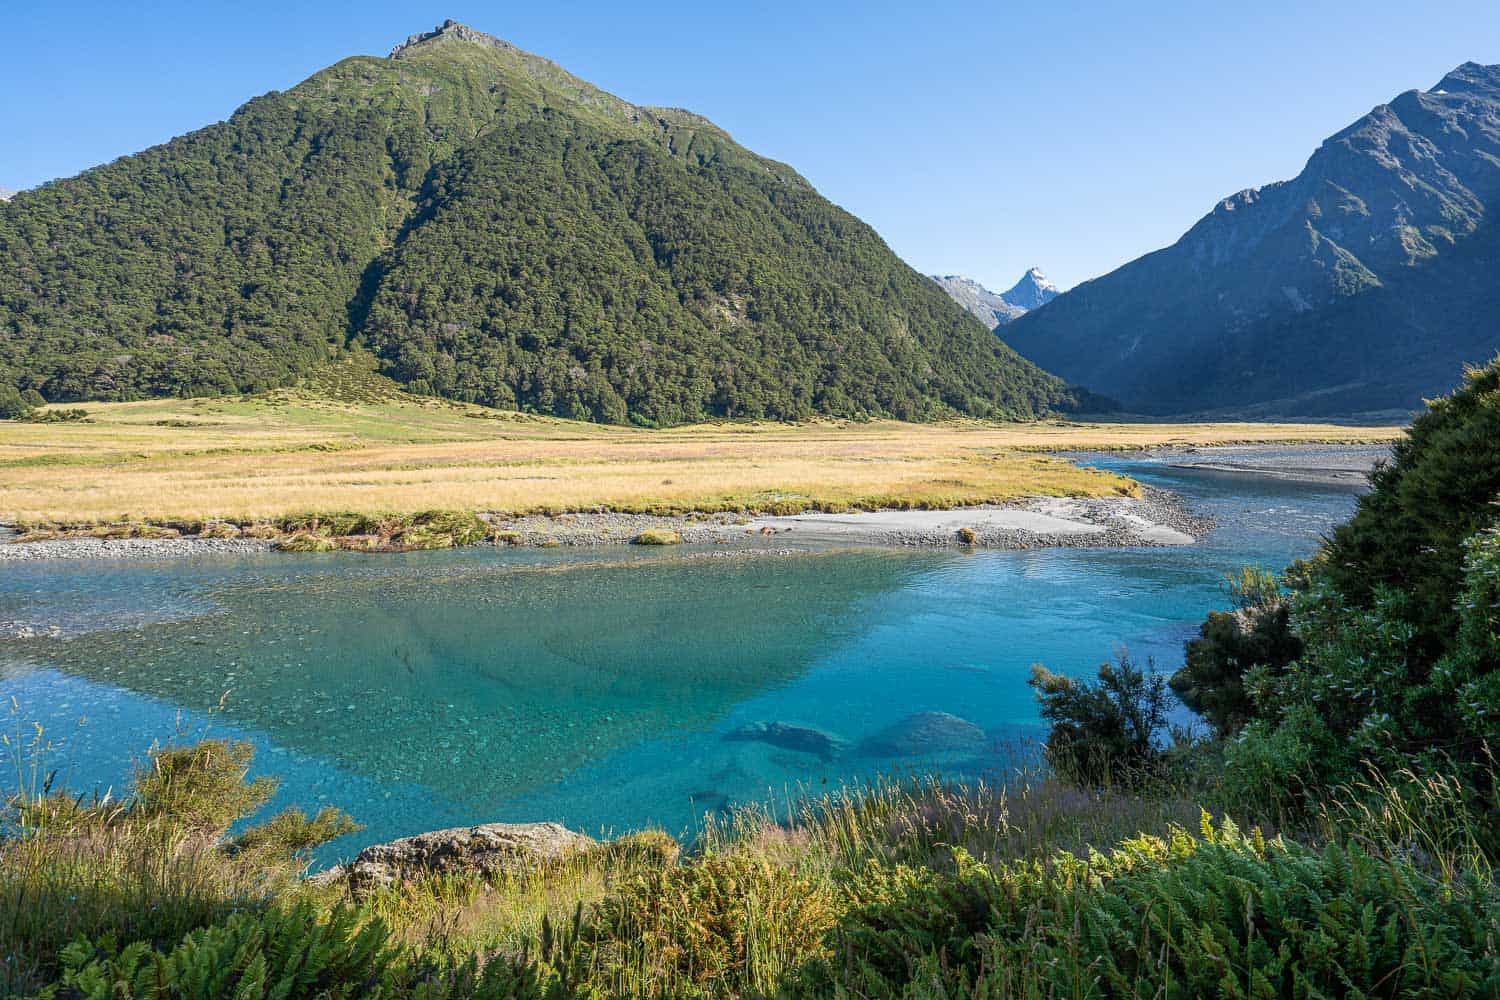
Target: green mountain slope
(1361, 285)
(495, 230)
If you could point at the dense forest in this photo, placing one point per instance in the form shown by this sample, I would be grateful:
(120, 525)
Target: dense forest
(496, 231)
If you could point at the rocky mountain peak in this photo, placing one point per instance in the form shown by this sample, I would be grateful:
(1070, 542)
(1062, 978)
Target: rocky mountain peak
(6, 194)
(450, 29)
(1032, 291)
(1471, 78)
(995, 309)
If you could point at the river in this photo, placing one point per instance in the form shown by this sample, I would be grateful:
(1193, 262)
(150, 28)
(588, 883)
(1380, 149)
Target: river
(598, 689)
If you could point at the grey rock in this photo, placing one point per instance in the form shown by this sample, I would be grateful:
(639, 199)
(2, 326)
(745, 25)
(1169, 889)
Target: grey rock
(328, 876)
(803, 739)
(926, 733)
(488, 849)
(127, 548)
(451, 29)
(996, 309)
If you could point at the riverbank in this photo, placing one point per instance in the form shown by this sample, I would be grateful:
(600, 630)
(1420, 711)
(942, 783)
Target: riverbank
(1148, 518)
(1347, 465)
(1156, 517)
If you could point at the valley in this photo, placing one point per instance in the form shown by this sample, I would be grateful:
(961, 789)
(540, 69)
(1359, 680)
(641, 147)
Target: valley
(465, 533)
(353, 442)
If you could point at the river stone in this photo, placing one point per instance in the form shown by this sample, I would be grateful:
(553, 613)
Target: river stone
(926, 733)
(803, 739)
(488, 849)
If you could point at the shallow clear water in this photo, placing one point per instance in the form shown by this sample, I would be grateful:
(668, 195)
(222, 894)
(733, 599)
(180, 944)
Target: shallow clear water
(597, 689)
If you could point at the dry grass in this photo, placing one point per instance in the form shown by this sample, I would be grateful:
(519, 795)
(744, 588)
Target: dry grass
(292, 451)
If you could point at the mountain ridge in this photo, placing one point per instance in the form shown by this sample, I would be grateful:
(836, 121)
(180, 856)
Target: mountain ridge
(996, 309)
(1383, 205)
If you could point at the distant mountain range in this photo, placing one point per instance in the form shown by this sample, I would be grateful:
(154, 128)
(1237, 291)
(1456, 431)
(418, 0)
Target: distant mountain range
(6, 194)
(995, 309)
(1361, 285)
(493, 229)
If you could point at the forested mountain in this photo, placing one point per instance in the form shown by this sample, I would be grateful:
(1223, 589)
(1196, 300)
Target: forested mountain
(996, 309)
(1361, 285)
(495, 230)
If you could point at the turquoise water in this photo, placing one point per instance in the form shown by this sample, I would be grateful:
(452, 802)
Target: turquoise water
(597, 689)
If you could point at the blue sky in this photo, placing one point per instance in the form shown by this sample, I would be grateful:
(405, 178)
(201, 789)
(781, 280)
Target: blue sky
(977, 138)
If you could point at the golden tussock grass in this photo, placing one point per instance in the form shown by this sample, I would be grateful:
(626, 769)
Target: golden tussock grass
(289, 451)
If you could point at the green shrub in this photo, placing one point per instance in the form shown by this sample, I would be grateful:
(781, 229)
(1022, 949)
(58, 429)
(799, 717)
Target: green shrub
(12, 405)
(1410, 530)
(1106, 732)
(1385, 653)
(657, 536)
(1178, 917)
(276, 953)
(1365, 692)
(290, 834)
(201, 788)
(1256, 633)
(306, 543)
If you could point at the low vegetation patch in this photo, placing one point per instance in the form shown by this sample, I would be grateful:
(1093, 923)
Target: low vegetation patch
(909, 888)
(657, 536)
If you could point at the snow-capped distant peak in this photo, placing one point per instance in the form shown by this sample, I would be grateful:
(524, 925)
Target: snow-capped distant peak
(1032, 291)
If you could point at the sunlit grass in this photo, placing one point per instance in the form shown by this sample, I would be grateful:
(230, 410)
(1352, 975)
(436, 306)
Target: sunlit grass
(292, 451)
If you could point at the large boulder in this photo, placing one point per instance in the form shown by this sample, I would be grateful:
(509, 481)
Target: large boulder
(926, 733)
(802, 739)
(489, 849)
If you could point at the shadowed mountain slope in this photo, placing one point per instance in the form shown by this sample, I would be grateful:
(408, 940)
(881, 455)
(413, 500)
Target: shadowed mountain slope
(1361, 285)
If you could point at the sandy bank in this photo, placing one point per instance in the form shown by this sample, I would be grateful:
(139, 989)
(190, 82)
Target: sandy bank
(1157, 518)
(1344, 465)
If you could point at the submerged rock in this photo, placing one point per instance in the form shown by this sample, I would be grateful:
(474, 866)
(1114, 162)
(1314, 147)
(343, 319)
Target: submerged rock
(488, 849)
(926, 733)
(803, 739)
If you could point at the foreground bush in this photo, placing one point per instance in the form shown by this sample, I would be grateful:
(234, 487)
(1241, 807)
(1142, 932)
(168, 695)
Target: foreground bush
(149, 869)
(909, 889)
(291, 953)
(1176, 917)
(1103, 733)
(1409, 532)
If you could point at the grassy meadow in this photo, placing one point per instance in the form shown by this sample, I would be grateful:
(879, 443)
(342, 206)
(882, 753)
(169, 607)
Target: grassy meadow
(350, 441)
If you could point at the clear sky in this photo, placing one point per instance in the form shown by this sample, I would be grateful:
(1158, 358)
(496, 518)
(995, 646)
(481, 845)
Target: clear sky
(978, 138)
